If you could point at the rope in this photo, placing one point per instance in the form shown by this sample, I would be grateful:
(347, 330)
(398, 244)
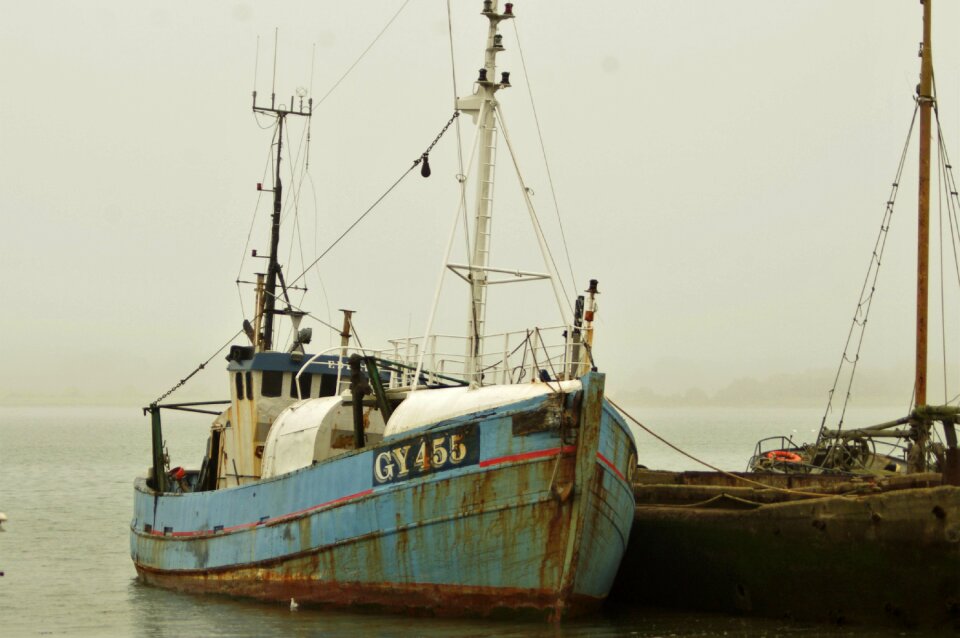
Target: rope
(712, 467)
(200, 367)
(549, 361)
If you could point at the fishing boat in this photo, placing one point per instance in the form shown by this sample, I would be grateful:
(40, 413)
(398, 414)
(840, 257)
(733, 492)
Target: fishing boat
(844, 530)
(486, 477)
(925, 440)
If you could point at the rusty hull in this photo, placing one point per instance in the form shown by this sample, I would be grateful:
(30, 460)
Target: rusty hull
(886, 553)
(535, 523)
(405, 598)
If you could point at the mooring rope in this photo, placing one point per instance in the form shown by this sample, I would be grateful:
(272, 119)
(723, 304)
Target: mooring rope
(785, 490)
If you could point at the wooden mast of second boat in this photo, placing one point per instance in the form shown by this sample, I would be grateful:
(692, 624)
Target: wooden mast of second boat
(925, 99)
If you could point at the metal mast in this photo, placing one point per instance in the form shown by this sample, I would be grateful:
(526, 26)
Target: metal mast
(273, 272)
(925, 98)
(483, 100)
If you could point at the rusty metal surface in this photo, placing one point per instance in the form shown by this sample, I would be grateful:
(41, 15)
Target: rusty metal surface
(407, 598)
(892, 557)
(495, 530)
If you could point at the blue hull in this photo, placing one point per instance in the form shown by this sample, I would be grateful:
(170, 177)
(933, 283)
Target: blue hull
(505, 510)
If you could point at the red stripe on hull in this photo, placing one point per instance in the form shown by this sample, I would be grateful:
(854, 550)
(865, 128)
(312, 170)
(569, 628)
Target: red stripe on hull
(613, 467)
(526, 456)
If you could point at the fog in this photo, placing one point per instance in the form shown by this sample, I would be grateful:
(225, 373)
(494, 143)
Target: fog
(720, 167)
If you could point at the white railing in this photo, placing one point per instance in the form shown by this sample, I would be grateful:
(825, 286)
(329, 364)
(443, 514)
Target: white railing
(342, 364)
(510, 357)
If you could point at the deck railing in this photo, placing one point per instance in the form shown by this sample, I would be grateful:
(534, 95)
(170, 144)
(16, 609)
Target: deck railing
(548, 354)
(509, 357)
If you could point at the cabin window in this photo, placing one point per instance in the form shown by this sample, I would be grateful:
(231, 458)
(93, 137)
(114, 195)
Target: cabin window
(304, 386)
(249, 385)
(271, 384)
(328, 385)
(239, 380)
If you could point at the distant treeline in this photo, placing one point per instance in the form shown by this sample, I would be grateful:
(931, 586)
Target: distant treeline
(807, 389)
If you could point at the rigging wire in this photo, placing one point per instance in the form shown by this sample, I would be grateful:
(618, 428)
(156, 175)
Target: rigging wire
(294, 200)
(294, 209)
(943, 322)
(865, 301)
(461, 176)
(950, 187)
(325, 96)
(308, 314)
(200, 367)
(316, 248)
(383, 196)
(313, 59)
(253, 219)
(543, 149)
(563, 300)
(354, 224)
(949, 193)
(446, 255)
(364, 53)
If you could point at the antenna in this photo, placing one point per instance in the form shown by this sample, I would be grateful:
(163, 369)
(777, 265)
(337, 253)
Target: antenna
(313, 59)
(256, 65)
(273, 89)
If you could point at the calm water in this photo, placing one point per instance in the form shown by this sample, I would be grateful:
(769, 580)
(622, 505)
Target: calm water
(66, 485)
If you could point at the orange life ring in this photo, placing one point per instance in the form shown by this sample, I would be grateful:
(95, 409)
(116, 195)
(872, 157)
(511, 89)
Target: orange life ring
(784, 456)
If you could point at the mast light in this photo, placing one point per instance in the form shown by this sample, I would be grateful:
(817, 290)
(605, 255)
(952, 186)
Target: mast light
(508, 9)
(483, 75)
(505, 78)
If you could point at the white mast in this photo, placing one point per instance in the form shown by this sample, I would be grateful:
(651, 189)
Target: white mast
(482, 105)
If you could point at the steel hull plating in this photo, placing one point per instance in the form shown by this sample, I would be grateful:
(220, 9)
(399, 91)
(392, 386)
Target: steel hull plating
(532, 516)
(889, 555)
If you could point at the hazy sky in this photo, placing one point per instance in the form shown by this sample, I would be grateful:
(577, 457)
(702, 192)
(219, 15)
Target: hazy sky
(721, 168)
